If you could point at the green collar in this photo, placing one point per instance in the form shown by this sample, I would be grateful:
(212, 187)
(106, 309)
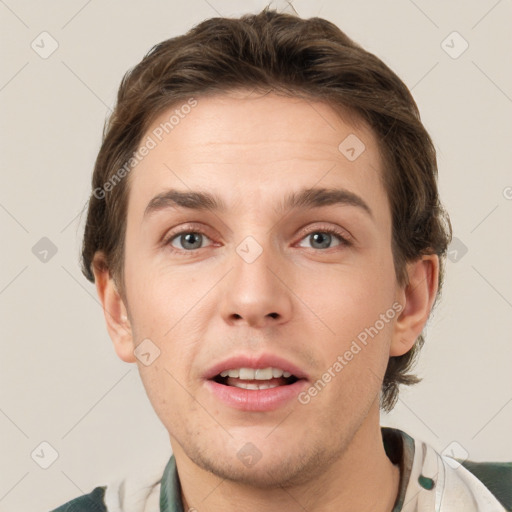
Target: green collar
(170, 490)
(399, 448)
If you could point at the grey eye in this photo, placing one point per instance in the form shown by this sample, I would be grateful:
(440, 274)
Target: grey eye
(188, 241)
(321, 240)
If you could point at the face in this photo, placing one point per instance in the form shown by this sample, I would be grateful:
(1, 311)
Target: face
(254, 296)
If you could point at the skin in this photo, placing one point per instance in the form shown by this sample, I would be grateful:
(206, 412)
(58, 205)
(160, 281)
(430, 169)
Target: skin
(298, 300)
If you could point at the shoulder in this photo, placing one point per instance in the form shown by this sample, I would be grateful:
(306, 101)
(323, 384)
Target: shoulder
(92, 502)
(435, 481)
(136, 491)
(495, 476)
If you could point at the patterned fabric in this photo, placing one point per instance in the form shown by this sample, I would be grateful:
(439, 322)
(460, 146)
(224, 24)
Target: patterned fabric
(428, 482)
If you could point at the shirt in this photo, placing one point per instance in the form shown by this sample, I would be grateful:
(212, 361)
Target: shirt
(429, 481)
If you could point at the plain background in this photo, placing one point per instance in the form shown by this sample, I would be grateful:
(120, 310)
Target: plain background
(61, 382)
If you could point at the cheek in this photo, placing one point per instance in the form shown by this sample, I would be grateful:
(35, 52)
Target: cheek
(159, 300)
(163, 389)
(354, 366)
(166, 308)
(356, 309)
(352, 298)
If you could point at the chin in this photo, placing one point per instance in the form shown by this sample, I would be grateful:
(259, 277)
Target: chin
(279, 469)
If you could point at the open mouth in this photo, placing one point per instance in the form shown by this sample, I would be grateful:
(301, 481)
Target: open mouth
(255, 378)
(261, 384)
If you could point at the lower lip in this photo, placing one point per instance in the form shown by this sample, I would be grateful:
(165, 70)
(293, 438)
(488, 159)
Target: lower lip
(260, 400)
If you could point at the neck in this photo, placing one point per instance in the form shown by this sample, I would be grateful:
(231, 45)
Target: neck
(362, 478)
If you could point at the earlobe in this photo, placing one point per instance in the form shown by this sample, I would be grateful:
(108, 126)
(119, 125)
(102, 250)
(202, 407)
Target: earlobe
(417, 298)
(114, 309)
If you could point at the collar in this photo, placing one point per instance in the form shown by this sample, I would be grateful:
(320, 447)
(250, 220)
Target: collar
(399, 448)
(170, 490)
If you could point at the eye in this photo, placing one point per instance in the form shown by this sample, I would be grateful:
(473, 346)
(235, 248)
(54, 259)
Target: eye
(325, 239)
(187, 240)
(318, 239)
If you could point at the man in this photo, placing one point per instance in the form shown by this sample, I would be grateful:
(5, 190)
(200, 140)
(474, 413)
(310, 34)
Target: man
(267, 241)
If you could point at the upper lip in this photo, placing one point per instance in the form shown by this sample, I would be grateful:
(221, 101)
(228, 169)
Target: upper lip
(254, 361)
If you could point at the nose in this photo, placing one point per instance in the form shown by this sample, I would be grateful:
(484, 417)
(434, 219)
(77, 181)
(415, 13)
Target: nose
(255, 293)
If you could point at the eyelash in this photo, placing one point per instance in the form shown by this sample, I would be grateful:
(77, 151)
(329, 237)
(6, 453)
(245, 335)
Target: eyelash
(344, 238)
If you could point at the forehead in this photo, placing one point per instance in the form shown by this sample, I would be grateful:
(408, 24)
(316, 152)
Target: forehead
(264, 142)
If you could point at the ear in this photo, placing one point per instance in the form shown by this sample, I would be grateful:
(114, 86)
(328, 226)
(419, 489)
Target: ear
(114, 309)
(417, 299)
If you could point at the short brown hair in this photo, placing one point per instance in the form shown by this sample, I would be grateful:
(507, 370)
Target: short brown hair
(278, 52)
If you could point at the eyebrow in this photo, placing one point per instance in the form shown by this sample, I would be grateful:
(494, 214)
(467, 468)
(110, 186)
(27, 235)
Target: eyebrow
(302, 199)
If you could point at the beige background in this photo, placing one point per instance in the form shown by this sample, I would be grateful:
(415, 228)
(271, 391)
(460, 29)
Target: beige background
(60, 379)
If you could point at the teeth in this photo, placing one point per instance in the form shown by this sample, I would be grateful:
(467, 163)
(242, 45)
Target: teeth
(245, 385)
(276, 373)
(267, 385)
(263, 374)
(255, 374)
(247, 373)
